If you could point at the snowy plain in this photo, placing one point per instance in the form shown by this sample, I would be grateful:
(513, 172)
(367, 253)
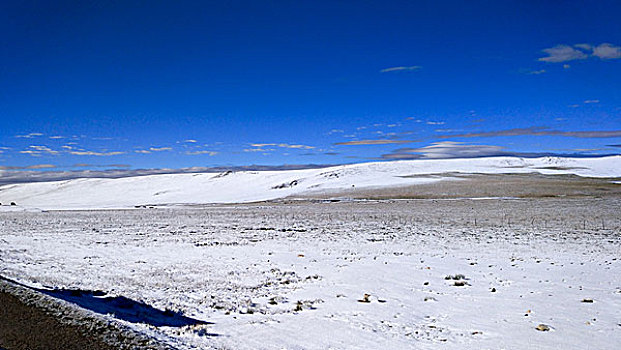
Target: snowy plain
(297, 274)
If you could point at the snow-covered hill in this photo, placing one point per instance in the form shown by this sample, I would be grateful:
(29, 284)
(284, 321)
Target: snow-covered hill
(249, 186)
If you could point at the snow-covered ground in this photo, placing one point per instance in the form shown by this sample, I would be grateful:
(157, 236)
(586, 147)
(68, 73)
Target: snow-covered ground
(250, 186)
(457, 274)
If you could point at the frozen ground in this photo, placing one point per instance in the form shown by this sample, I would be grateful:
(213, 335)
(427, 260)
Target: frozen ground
(292, 275)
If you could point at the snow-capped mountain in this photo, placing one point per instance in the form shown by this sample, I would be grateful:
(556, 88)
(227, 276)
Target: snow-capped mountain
(249, 186)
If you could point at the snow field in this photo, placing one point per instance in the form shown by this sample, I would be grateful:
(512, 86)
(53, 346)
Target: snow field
(294, 275)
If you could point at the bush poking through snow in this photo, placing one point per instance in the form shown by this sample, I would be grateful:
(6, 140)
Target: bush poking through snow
(456, 277)
(365, 298)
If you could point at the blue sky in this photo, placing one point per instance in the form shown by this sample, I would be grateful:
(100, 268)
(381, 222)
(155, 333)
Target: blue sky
(128, 84)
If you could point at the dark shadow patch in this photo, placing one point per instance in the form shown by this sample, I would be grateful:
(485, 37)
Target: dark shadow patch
(122, 308)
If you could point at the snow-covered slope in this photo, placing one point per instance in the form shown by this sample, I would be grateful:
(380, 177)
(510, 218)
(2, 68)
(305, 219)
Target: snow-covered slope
(248, 186)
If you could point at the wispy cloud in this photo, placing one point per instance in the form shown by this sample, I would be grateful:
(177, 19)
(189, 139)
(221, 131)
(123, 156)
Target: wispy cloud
(416, 120)
(153, 149)
(372, 142)
(536, 72)
(93, 153)
(565, 53)
(591, 101)
(540, 131)
(259, 149)
(29, 136)
(295, 146)
(86, 165)
(195, 153)
(36, 150)
(160, 149)
(36, 166)
(401, 69)
(282, 145)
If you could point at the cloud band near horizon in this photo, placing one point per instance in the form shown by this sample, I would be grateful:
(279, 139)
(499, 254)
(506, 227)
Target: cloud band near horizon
(539, 131)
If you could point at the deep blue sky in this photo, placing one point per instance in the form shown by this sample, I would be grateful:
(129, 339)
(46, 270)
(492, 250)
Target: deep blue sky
(284, 82)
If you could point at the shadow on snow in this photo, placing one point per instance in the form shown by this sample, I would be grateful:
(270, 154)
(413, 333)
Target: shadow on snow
(122, 308)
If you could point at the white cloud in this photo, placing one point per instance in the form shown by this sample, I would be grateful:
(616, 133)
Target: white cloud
(282, 145)
(372, 142)
(563, 53)
(36, 150)
(160, 149)
(586, 47)
(607, 51)
(591, 101)
(92, 153)
(29, 136)
(259, 149)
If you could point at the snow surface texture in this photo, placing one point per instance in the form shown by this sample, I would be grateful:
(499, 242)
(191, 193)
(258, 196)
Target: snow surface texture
(457, 274)
(251, 186)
